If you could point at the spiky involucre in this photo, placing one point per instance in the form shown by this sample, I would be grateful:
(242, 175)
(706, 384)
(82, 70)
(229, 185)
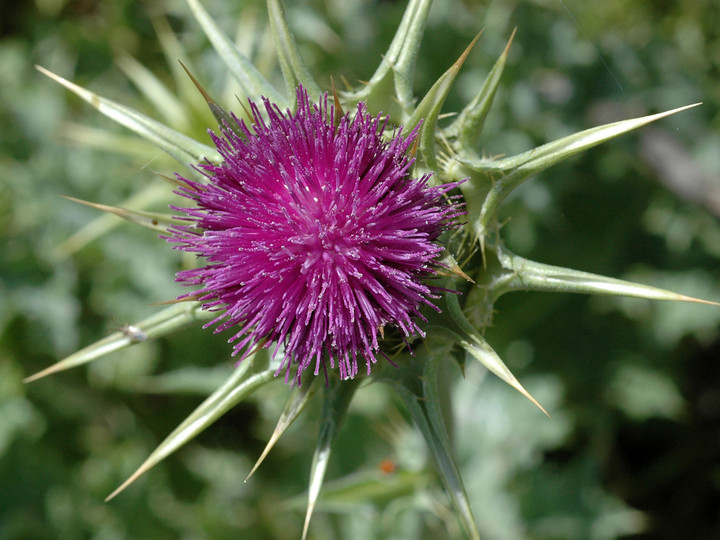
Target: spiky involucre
(316, 236)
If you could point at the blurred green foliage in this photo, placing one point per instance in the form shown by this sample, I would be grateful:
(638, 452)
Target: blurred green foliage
(632, 450)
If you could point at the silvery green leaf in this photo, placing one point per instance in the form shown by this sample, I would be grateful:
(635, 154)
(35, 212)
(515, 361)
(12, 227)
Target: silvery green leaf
(184, 149)
(195, 381)
(292, 64)
(252, 83)
(417, 386)
(163, 100)
(244, 380)
(107, 141)
(174, 51)
(162, 323)
(368, 485)
(443, 454)
(338, 395)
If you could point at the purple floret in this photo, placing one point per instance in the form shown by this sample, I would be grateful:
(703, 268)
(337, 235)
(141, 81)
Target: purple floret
(315, 235)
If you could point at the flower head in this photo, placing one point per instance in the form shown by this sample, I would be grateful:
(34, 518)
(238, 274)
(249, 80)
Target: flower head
(315, 234)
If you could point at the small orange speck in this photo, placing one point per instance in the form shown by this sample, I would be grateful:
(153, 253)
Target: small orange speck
(387, 466)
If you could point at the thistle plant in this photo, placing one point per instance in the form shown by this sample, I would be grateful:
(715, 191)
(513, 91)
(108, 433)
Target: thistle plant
(343, 238)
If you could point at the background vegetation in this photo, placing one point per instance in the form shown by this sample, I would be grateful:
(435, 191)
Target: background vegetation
(633, 449)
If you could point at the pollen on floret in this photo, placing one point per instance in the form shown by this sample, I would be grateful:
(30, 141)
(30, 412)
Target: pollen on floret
(315, 235)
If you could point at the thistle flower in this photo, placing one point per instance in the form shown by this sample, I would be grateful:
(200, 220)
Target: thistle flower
(316, 235)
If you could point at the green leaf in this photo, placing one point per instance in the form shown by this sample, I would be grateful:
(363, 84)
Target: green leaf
(368, 486)
(174, 51)
(291, 62)
(252, 83)
(242, 383)
(416, 382)
(107, 141)
(338, 395)
(444, 458)
(507, 174)
(181, 147)
(164, 101)
(191, 380)
(160, 324)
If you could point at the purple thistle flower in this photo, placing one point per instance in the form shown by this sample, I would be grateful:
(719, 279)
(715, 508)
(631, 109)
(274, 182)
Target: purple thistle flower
(315, 235)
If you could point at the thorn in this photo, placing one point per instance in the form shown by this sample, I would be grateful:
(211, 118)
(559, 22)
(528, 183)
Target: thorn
(142, 470)
(247, 112)
(348, 86)
(192, 298)
(97, 206)
(174, 180)
(525, 393)
(259, 346)
(458, 272)
(512, 37)
(209, 100)
(118, 211)
(223, 118)
(339, 113)
(414, 149)
(460, 61)
(683, 298)
(44, 373)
